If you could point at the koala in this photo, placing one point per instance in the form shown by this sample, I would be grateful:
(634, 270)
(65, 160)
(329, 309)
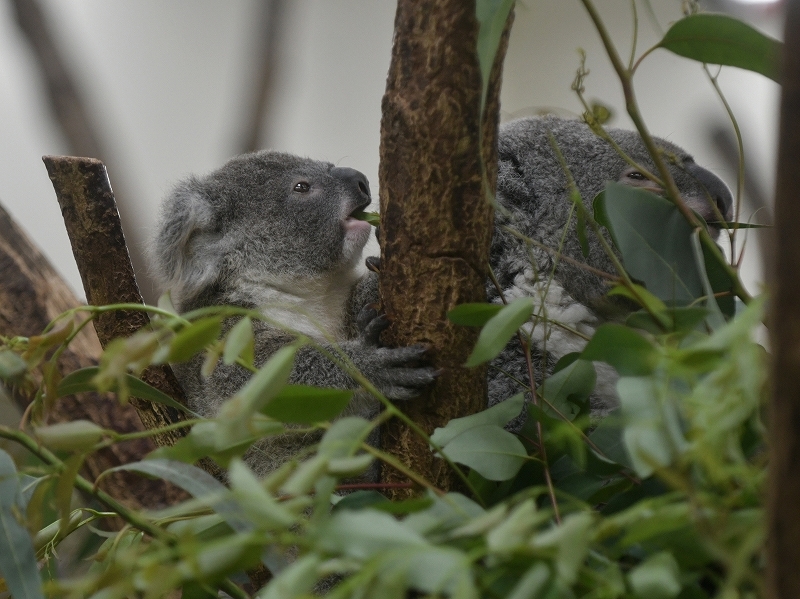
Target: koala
(533, 195)
(275, 232)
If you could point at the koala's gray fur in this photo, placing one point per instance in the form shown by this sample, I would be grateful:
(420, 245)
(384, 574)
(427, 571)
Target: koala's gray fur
(533, 192)
(275, 232)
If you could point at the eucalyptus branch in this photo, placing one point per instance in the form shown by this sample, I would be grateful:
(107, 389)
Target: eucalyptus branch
(740, 173)
(626, 79)
(84, 486)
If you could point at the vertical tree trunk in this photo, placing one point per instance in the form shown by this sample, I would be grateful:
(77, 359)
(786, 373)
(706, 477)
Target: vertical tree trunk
(783, 574)
(436, 221)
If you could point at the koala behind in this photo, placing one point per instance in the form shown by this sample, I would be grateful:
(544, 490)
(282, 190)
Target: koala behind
(276, 232)
(534, 193)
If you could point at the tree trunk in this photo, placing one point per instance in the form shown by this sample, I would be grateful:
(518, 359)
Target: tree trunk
(436, 221)
(783, 575)
(31, 295)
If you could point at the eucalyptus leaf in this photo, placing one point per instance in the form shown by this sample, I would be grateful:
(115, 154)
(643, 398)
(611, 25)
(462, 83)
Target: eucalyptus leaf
(626, 350)
(494, 452)
(194, 338)
(498, 415)
(239, 342)
(656, 578)
(492, 16)
(17, 559)
(723, 40)
(82, 380)
(70, 436)
(362, 534)
(11, 365)
(499, 329)
(654, 240)
(570, 387)
(303, 404)
(473, 315)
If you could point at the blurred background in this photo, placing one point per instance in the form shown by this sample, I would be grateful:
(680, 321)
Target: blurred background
(159, 89)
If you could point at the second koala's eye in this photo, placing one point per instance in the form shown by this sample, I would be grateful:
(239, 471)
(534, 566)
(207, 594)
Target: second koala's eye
(302, 187)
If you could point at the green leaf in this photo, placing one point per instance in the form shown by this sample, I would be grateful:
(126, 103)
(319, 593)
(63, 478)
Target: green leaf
(70, 436)
(81, 381)
(360, 500)
(653, 434)
(295, 581)
(723, 40)
(499, 329)
(17, 559)
(498, 415)
(492, 16)
(473, 315)
(654, 240)
(198, 483)
(372, 218)
(239, 342)
(492, 451)
(364, 533)
(656, 578)
(262, 387)
(569, 388)
(194, 338)
(11, 365)
(626, 350)
(259, 505)
(303, 404)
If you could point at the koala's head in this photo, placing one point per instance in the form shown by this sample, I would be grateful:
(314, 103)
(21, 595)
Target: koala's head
(262, 217)
(533, 183)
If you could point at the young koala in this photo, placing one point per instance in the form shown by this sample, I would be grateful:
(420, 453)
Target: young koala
(276, 232)
(534, 193)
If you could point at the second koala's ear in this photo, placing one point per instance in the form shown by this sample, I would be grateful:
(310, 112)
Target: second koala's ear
(188, 252)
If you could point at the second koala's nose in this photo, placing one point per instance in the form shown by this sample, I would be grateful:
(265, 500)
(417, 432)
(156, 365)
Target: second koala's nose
(354, 178)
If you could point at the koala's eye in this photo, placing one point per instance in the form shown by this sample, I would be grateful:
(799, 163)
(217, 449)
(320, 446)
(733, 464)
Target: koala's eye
(635, 175)
(302, 187)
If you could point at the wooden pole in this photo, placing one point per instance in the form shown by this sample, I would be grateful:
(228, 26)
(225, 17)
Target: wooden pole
(783, 566)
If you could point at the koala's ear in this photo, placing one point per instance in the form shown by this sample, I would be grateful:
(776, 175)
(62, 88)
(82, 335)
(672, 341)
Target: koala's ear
(187, 252)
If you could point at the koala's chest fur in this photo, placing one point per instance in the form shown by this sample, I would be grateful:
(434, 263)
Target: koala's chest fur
(313, 306)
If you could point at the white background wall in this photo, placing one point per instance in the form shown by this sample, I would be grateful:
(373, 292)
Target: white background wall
(169, 81)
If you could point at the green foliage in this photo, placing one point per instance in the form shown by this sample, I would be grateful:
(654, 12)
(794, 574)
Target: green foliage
(723, 40)
(661, 499)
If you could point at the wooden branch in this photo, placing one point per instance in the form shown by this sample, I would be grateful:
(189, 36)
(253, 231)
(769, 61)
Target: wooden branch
(31, 295)
(436, 221)
(90, 215)
(783, 574)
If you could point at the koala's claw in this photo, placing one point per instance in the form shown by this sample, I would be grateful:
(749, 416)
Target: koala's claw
(373, 264)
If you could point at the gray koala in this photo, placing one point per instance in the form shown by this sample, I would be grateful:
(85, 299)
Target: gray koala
(276, 232)
(533, 192)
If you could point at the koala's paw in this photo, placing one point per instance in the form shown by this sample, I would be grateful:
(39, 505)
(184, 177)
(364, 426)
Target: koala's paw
(402, 372)
(399, 372)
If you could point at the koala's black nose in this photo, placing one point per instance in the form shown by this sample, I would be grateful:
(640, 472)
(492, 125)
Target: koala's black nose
(353, 178)
(714, 187)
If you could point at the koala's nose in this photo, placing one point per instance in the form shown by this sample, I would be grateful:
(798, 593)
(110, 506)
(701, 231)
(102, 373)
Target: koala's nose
(354, 179)
(715, 187)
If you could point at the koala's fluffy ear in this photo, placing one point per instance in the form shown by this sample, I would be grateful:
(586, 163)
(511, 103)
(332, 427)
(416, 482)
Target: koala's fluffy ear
(187, 252)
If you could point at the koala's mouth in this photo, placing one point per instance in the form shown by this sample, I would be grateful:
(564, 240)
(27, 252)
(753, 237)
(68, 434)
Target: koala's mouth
(353, 221)
(702, 206)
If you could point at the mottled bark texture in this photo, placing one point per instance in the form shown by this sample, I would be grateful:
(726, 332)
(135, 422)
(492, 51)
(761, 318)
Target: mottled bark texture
(92, 221)
(783, 574)
(436, 222)
(31, 295)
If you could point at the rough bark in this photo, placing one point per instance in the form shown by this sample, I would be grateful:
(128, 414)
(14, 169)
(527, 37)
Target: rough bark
(90, 215)
(31, 295)
(436, 222)
(783, 575)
